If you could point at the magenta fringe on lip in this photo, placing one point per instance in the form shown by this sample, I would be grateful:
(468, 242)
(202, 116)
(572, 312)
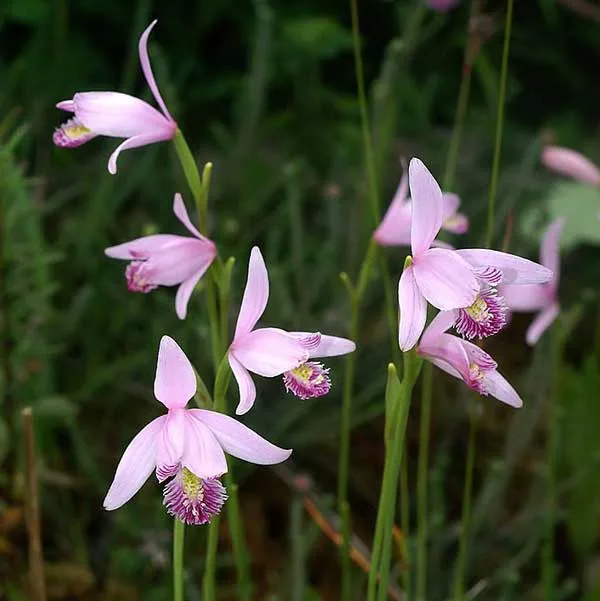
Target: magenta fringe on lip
(308, 381)
(137, 280)
(485, 317)
(71, 134)
(194, 500)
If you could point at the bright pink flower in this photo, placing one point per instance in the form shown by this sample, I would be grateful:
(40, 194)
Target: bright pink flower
(466, 361)
(394, 229)
(442, 5)
(187, 444)
(438, 275)
(271, 352)
(167, 260)
(311, 379)
(117, 115)
(571, 163)
(540, 297)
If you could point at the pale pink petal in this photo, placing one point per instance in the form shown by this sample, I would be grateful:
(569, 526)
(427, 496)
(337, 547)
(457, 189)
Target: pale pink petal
(256, 294)
(203, 454)
(327, 346)
(147, 69)
(515, 270)
(426, 200)
(66, 105)
(245, 384)
(477, 355)
(541, 323)
(184, 292)
(178, 262)
(239, 440)
(571, 163)
(142, 247)
(450, 204)
(413, 310)
(136, 465)
(269, 352)
(445, 279)
(182, 214)
(135, 142)
(549, 252)
(175, 382)
(170, 445)
(120, 115)
(394, 229)
(443, 321)
(528, 297)
(446, 352)
(453, 222)
(499, 387)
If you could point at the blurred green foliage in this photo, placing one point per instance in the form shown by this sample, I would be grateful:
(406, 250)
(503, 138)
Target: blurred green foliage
(266, 91)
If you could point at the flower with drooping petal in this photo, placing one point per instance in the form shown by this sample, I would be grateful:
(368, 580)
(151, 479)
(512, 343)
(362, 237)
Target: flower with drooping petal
(117, 115)
(268, 352)
(311, 379)
(540, 297)
(463, 281)
(394, 229)
(571, 163)
(438, 275)
(465, 360)
(167, 260)
(188, 445)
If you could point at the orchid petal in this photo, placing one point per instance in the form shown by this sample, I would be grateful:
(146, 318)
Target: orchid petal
(142, 248)
(445, 279)
(443, 321)
(135, 142)
(571, 163)
(499, 387)
(541, 323)
(426, 200)
(515, 270)
(394, 229)
(136, 465)
(549, 255)
(184, 292)
(450, 204)
(203, 455)
(175, 382)
(239, 440)
(182, 214)
(326, 346)
(245, 384)
(256, 294)
(169, 450)
(446, 352)
(454, 222)
(147, 69)
(413, 310)
(528, 297)
(120, 115)
(269, 352)
(66, 105)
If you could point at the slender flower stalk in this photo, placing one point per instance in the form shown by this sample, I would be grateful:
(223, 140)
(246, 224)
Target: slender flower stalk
(459, 581)
(178, 540)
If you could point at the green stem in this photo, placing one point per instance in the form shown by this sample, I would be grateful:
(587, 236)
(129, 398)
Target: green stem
(499, 126)
(190, 170)
(208, 581)
(422, 471)
(178, 539)
(405, 524)
(465, 521)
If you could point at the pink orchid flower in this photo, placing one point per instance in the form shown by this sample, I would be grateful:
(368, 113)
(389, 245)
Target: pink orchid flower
(463, 282)
(394, 229)
(571, 163)
(167, 260)
(539, 297)
(271, 352)
(117, 115)
(186, 444)
(465, 361)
